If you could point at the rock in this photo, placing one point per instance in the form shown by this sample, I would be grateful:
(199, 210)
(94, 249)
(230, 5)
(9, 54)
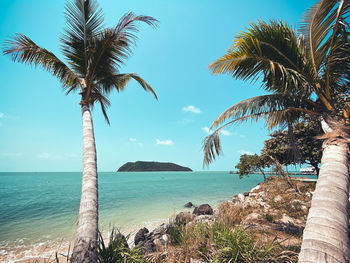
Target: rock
(160, 230)
(204, 219)
(165, 237)
(193, 260)
(204, 209)
(277, 199)
(183, 218)
(149, 246)
(189, 205)
(255, 188)
(240, 198)
(246, 194)
(141, 235)
(286, 219)
(252, 217)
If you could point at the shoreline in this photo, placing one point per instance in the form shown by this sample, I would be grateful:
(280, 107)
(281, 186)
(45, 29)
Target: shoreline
(199, 188)
(22, 252)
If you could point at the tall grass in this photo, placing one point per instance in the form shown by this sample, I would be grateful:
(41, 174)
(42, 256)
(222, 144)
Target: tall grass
(117, 250)
(218, 242)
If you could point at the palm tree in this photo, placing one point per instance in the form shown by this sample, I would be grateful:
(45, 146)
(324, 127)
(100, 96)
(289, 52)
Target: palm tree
(94, 55)
(305, 75)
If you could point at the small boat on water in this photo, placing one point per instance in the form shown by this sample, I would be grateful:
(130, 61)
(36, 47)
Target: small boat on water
(308, 170)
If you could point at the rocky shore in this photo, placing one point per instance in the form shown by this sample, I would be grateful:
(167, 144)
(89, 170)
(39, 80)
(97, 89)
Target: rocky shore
(271, 213)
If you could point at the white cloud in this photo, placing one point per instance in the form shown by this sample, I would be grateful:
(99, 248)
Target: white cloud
(2, 115)
(47, 156)
(245, 152)
(134, 141)
(223, 132)
(206, 129)
(192, 109)
(12, 154)
(165, 142)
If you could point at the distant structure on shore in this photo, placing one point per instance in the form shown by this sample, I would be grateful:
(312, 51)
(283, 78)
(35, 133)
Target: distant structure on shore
(141, 166)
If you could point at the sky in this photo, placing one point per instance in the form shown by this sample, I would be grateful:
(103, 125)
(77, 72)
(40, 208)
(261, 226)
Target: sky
(41, 128)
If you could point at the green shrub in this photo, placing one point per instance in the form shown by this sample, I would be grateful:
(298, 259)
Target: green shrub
(117, 250)
(175, 233)
(269, 218)
(236, 245)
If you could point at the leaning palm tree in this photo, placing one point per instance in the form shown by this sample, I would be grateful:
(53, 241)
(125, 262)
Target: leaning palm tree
(94, 55)
(304, 75)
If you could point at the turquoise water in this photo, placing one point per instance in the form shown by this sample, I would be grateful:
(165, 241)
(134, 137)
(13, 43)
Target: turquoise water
(35, 207)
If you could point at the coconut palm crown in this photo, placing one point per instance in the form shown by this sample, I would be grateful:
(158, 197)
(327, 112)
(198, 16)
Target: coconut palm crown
(94, 56)
(304, 74)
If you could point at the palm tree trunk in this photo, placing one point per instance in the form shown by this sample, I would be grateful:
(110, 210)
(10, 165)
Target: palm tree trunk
(85, 244)
(325, 237)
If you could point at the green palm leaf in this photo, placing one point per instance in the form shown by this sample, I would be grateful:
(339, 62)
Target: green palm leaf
(84, 22)
(271, 51)
(22, 49)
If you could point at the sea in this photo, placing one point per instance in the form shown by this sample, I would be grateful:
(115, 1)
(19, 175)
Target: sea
(38, 211)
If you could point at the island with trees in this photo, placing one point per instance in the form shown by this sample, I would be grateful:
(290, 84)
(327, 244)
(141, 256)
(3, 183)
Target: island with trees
(141, 166)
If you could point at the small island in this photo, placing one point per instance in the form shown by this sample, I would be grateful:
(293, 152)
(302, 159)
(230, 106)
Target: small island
(141, 166)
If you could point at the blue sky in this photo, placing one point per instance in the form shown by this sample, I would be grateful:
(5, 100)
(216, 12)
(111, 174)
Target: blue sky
(40, 127)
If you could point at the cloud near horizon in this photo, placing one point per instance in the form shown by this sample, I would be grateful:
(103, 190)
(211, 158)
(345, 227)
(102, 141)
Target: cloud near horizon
(134, 141)
(192, 109)
(165, 142)
(245, 152)
(223, 132)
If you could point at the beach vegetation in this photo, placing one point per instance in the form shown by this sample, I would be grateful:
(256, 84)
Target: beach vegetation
(217, 242)
(250, 163)
(117, 250)
(305, 75)
(94, 55)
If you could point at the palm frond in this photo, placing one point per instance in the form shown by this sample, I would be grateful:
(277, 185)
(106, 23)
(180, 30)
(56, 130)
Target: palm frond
(97, 96)
(22, 49)
(113, 46)
(84, 22)
(260, 106)
(272, 51)
(211, 148)
(120, 81)
(319, 26)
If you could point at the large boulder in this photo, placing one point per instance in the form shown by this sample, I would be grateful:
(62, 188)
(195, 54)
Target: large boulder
(183, 218)
(160, 230)
(141, 235)
(204, 209)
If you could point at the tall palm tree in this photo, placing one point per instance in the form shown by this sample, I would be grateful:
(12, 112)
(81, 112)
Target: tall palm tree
(94, 55)
(305, 75)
